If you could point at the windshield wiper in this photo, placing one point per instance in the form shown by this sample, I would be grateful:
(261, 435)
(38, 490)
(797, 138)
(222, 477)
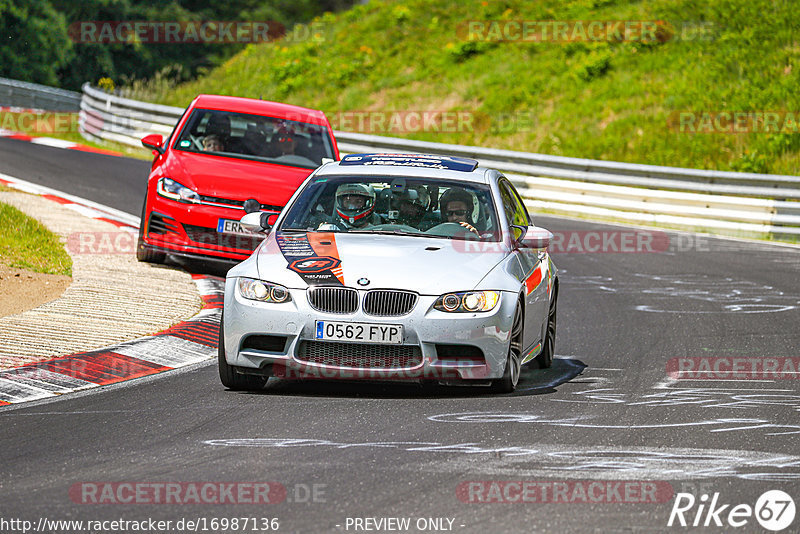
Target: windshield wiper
(306, 230)
(387, 232)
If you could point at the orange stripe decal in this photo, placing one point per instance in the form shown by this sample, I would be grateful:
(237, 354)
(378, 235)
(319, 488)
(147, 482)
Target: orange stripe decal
(533, 281)
(324, 244)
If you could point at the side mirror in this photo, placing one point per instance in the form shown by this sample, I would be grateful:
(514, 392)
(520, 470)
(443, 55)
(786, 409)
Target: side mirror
(258, 221)
(154, 142)
(535, 237)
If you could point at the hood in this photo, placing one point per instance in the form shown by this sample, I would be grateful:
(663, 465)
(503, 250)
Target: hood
(426, 265)
(234, 178)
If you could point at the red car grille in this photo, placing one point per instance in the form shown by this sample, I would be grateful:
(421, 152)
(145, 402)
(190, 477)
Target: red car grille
(236, 203)
(209, 236)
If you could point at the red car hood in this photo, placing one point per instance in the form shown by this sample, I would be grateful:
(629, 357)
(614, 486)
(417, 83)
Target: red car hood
(235, 179)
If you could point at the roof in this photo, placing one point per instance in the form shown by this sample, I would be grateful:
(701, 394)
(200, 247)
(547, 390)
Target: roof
(260, 107)
(413, 165)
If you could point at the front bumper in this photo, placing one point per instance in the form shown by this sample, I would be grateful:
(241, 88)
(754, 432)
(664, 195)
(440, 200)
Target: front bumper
(191, 230)
(437, 336)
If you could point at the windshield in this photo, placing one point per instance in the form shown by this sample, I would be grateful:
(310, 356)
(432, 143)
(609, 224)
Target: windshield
(281, 141)
(395, 205)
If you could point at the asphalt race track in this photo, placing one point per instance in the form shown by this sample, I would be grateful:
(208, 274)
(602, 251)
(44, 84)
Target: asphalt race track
(606, 411)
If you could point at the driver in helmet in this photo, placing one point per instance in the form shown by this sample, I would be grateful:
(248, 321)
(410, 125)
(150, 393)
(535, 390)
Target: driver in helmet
(355, 205)
(457, 206)
(412, 205)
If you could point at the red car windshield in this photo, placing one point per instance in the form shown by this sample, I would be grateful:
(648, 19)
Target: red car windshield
(241, 135)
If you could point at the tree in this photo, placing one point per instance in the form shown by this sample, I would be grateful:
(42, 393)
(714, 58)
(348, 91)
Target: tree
(34, 43)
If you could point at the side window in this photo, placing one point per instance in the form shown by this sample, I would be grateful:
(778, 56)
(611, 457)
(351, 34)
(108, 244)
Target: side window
(521, 211)
(515, 211)
(172, 133)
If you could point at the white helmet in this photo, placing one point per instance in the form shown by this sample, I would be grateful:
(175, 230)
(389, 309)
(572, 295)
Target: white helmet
(418, 196)
(352, 210)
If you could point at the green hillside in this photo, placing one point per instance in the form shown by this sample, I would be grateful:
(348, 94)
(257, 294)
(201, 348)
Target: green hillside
(599, 99)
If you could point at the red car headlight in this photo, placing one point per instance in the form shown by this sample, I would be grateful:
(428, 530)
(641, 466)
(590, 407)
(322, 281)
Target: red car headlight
(169, 188)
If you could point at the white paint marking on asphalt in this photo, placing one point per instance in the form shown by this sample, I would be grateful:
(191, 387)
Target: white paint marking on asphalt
(206, 313)
(44, 379)
(14, 391)
(51, 141)
(84, 210)
(168, 351)
(570, 461)
(669, 384)
(705, 381)
(577, 422)
(209, 286)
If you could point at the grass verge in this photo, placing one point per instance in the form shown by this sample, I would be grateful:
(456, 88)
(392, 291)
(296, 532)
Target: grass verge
(26, 244)
(611, 98)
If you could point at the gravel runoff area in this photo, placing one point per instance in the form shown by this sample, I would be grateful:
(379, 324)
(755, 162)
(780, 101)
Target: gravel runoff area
(112, 297)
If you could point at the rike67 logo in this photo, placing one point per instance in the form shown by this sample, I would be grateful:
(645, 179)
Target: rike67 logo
(774, 510)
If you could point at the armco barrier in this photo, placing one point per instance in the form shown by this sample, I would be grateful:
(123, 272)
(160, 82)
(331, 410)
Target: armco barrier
(748, 204)
(17, 94)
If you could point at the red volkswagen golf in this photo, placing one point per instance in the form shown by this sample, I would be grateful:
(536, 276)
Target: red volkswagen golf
(227, 156)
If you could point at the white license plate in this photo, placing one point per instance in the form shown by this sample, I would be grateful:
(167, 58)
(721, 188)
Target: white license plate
(360, 332)
(228, 226)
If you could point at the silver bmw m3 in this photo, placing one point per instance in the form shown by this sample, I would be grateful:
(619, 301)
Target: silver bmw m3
(393, 267)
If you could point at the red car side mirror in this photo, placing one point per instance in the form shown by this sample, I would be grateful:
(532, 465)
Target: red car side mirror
(154, 142)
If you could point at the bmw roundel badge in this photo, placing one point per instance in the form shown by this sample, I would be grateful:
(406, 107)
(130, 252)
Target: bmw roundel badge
(363, 281)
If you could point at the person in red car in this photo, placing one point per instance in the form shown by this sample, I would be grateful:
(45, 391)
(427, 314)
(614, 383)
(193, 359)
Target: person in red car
(285, 140)
(213, 143)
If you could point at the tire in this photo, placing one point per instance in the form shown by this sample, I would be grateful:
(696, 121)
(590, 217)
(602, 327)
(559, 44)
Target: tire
(508, 383)
(147, 254)
(227, 373)
(545, 358)
(143, 251)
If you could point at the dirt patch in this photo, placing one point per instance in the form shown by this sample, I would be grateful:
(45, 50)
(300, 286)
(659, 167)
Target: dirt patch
(22, 290)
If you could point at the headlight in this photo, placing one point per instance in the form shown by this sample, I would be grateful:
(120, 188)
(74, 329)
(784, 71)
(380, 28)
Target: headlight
(263, 291)
(169, 188)
(468, 301)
